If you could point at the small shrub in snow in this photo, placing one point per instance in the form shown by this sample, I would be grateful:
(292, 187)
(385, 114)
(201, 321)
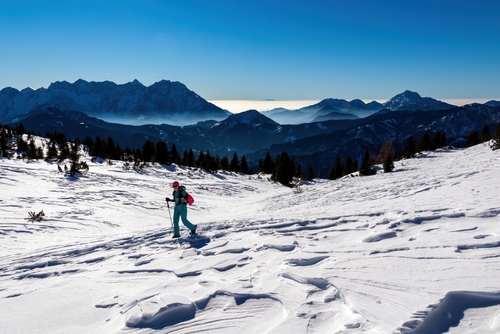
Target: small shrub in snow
(35, 216)
(140, 165)
(296, 186)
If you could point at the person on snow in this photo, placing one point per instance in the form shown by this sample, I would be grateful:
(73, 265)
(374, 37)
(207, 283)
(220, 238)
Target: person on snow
(180, 210)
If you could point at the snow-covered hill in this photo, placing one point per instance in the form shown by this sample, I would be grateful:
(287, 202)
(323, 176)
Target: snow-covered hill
(356, 255)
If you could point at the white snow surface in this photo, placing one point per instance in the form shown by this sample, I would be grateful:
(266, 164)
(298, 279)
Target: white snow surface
(416, 250)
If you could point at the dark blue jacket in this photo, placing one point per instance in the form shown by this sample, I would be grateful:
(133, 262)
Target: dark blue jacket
(180, 196)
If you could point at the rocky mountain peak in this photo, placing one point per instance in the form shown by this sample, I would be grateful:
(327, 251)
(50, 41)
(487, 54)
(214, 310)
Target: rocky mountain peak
(249, 117)
(412, 101)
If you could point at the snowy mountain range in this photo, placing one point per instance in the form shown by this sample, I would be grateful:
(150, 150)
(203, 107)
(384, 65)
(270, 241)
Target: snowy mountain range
(131, 103)
(173, 103)
(330, 129)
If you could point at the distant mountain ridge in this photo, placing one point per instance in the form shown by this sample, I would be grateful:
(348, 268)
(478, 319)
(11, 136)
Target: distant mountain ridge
(253, 134)
(338, 109)
(131, 103)
(326, 109)
(493, 103)
(353, 137)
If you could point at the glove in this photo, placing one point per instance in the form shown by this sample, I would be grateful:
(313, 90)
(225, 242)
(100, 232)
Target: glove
(168, 199)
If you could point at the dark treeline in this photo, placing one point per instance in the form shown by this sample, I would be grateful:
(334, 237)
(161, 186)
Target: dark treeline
(161, 153)
(283, 169)
(386, 156)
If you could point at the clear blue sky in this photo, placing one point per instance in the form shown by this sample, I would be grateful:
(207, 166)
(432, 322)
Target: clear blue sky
(259, 49)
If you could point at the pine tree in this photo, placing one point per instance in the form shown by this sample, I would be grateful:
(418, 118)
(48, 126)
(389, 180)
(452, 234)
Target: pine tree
(88, 142)
(310, 172)
(207, 161)
(5, 147)
(298, 170)
(425, 143)
(74, 157)
(52, 151)
(385, 150)
(268, 165)
(366, 168)
(244, 166)
(261, 165)
(97, 149)
(20, 130)
(31, 151)
(110, 149)
(332, 175)
(184, 158)
(440, 140)
(350, 166)
(148, 151)
(224, 163)
(495, 145)
(77, 142)
(409, 150)
(388, 164)
(283, 170)
(64, 152)
(175, 157)
(472, 140)
(201, 160)
(137, 155)
(336, 170)
(485, 134)
(22, 146)
(234, 165)
(214, 164)
(161, 155)
(190, 158)
(76, 167)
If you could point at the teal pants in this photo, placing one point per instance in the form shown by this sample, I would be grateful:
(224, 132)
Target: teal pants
(180, 211)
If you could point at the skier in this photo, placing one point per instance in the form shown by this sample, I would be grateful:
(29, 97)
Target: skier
(180, 210)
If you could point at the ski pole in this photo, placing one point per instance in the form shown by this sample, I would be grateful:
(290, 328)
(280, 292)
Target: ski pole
(171, 223)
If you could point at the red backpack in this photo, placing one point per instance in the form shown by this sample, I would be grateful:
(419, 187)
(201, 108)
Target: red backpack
(189, 198)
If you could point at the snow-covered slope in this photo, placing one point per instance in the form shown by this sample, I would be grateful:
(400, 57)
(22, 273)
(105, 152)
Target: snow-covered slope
(356, 255)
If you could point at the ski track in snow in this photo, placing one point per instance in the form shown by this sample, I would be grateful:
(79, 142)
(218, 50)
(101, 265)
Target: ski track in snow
(391, 253)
